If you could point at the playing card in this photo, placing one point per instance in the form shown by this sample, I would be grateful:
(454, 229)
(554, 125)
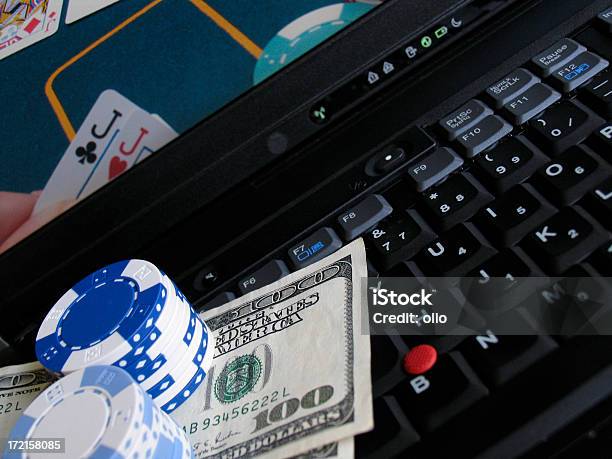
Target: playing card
(141, 136)
(78, 9)
(89, 147)
(25, 22)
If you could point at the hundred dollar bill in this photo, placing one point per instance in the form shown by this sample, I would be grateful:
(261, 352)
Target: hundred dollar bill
(344, 449)
(19, 386)
(291, 367)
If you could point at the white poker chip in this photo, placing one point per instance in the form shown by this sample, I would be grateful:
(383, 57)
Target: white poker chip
(99, 411)
(104, 318)
(103, 414)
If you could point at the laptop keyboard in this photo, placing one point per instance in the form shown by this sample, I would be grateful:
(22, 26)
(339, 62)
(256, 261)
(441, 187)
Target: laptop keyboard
(516, 181)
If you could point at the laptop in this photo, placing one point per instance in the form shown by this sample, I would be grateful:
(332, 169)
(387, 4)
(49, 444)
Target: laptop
(468, 137)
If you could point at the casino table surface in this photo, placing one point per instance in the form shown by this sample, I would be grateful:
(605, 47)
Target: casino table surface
(180, 59)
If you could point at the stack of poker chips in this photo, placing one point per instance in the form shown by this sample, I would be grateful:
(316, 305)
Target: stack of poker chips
(130, 315)
(101, 412)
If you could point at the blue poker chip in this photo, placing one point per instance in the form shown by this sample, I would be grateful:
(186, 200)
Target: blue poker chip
(171, 357)
(143, 363)
(189, 359)
(303, 34)
(105, 317)
(99, 410)
(187, 384)
(179, 348)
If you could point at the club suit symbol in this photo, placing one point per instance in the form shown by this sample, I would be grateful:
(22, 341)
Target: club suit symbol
(87, 153)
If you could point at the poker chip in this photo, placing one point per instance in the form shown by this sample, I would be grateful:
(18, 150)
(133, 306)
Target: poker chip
(159, 353)
(132, 316)
(188, 389)
(102, 412)
(103, 318)
(191, 377)
(176, 353)
(303, 34)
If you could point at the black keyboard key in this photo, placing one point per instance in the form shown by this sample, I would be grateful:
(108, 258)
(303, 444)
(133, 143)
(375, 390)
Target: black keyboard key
(464, 118)
(598, 93)
(599, 202)
(455, 200)
(509, 163)
(433, 398)
(398, 238)
(564, 240)
(528, 104)
(363, 216)
(433, 167)
(502, 282)
(317, 246)
(578, 71)
(392, 434)
(564, 125)
(509, 218)
(455, 253)
(571, 175)
(566, 306)
(498, 358)
(219, 300)
(509, 264)
(268, 273)
(509, 87)
(483, 135)
(556, 56)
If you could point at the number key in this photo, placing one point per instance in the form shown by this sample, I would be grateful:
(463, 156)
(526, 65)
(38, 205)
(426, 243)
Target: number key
(564, 240)
(509, 163)
(571, 175)
(454, 253)
(564, 125)
(398, 238)
(455, 200)
(508, 219)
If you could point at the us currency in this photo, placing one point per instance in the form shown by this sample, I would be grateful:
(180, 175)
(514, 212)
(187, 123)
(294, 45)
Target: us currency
(19, 386)
(343, 449)
(291, 367)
